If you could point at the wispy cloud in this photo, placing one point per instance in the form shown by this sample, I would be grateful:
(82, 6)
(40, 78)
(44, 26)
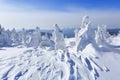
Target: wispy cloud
(45, 13)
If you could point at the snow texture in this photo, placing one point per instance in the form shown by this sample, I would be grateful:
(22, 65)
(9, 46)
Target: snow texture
(90, 55)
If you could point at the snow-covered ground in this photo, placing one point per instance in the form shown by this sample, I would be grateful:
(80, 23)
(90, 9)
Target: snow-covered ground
(21, 63)
(90, 55)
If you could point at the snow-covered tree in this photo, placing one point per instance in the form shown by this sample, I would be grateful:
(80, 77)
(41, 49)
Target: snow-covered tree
(4, 38)
(76, 34)
(58, 38)
(36, 38)
(28, 39)
(101, 35)
(47, 42)
(23, 37)
(14, 37)
(85, 34)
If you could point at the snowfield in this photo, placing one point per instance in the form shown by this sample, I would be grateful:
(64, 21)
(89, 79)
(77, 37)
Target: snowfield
(44, 64)
(90, 55)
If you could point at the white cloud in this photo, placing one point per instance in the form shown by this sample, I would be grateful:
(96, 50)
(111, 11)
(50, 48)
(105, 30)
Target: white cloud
(13, 16)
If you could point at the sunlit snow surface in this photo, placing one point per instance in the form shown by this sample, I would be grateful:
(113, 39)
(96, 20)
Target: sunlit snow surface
(20, 63)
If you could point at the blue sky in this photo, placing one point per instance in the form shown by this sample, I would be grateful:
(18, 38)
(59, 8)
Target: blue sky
(63, 4)
(67, 13)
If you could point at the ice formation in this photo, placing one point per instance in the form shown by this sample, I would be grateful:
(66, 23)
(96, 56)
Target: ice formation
(58, 38)
(36, 38)
(85, 35)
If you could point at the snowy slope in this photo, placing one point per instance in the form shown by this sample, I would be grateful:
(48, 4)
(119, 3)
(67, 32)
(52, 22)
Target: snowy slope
(90, 55)
(44, 64)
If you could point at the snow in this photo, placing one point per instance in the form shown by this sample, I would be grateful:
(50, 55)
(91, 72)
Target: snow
(38, 64)
(114, 40)
(58, 38)
(83, 57)
(11, 51)
(112, 61)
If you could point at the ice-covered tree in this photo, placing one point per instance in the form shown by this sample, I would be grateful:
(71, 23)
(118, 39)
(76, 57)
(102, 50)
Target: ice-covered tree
(76, 34)
(23, 37)
(36, 38)
(14, 37)
(101, 35)
(58, 38)
(85, 34)
(4, 38)
(28, 39)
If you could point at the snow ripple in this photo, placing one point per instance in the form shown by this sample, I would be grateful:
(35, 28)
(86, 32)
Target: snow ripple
(40, 64)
